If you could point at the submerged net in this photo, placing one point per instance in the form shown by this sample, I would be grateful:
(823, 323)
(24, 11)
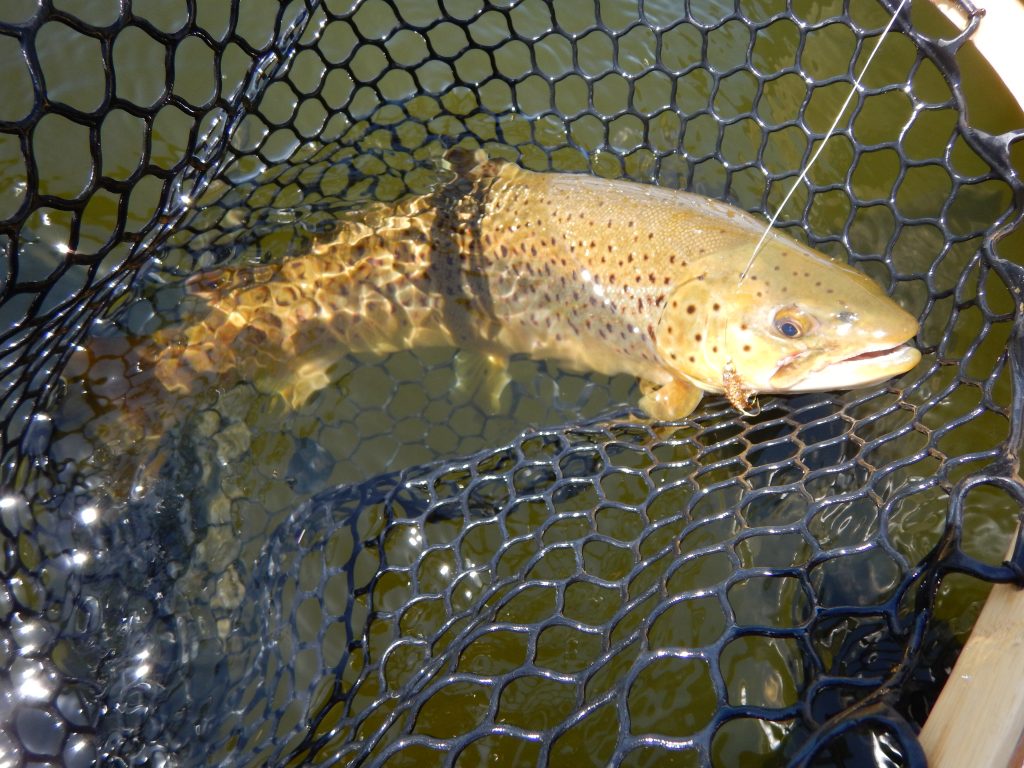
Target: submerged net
(394, 574)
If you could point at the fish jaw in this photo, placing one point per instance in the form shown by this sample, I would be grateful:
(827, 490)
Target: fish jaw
(861, 370)
(856, 357)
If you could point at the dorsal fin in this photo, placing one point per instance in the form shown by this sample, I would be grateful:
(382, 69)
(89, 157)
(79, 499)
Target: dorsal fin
(473, 164)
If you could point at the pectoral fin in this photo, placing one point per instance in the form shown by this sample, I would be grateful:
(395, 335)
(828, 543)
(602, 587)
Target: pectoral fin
(485, 373)
(670, 402)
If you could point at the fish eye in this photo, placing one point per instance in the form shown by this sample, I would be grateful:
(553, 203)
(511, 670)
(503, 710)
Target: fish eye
(791, 323)
(788, 328)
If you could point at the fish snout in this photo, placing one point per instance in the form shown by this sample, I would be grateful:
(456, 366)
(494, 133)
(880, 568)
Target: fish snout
(890, 326)
(904, 327)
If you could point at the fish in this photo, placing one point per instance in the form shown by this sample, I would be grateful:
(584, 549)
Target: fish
(606, 276)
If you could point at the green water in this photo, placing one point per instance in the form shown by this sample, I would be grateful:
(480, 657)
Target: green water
(261, 460)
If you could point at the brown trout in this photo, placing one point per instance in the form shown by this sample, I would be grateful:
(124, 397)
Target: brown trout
(596, 275)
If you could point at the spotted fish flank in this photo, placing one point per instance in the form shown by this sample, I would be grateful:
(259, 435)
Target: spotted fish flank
(597, 275)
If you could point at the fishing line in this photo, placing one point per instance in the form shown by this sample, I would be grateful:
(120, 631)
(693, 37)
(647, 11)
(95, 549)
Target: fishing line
(828, 135)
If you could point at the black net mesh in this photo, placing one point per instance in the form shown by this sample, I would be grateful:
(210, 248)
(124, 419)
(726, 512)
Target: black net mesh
(395, 574)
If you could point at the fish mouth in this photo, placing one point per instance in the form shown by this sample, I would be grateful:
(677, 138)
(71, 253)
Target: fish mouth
(861, 370)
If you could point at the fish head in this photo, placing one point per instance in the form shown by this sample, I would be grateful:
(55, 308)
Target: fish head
(798, 322)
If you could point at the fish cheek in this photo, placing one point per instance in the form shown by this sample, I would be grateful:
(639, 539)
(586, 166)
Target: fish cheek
(682, 333)
(747, 351)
